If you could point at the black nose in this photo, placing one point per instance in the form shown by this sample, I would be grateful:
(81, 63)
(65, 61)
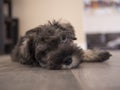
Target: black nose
(68, 61)
(74, 38)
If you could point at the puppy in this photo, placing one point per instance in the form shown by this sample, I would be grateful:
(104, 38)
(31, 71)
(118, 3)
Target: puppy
(52, 46)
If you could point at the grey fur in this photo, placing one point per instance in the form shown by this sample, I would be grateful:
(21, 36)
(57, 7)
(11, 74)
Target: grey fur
(51, 46)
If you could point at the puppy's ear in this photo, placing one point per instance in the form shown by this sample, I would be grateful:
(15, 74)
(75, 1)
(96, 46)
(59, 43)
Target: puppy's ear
(24, 51)
(15, 54)
(33, 32)
(70, 28)
(67, 26)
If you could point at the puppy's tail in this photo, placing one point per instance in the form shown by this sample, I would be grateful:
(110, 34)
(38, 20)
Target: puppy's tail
(95, 55)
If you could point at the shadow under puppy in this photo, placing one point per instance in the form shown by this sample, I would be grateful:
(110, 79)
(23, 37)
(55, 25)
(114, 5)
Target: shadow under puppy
(51, 46)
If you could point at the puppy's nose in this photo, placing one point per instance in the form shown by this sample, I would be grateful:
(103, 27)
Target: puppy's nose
(74, 38)
(68, 61)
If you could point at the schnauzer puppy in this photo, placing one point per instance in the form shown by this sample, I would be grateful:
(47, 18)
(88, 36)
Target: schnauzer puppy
(52, 46)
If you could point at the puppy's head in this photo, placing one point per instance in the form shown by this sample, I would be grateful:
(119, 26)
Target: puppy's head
(53, 45)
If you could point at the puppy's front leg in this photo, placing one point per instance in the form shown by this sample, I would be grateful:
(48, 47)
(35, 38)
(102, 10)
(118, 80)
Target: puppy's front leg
(95, 55)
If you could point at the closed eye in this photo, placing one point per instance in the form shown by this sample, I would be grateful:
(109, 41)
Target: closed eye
(63, 39)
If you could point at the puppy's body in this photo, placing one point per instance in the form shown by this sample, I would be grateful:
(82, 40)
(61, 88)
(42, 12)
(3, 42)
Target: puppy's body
(51, 46)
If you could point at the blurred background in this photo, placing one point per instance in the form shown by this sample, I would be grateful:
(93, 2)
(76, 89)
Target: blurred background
(96, 22)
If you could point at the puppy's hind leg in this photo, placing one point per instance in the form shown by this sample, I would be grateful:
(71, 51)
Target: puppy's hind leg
(95, 55)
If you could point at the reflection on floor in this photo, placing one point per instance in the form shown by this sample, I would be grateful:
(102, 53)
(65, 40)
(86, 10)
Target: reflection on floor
(89, 76)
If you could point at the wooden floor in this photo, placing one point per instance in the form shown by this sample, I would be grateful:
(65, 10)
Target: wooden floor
(89, 76)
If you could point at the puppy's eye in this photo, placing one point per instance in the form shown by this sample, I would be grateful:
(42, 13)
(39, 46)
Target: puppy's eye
(63, 39)
(68, 61)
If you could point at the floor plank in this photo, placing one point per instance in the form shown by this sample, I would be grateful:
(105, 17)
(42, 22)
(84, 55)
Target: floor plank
(100, 76)
(14, 76)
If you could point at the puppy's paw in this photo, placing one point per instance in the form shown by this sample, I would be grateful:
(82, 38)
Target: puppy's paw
(103, 56)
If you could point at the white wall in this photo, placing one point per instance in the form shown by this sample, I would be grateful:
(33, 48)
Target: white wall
(34, 12)
(102, 23)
